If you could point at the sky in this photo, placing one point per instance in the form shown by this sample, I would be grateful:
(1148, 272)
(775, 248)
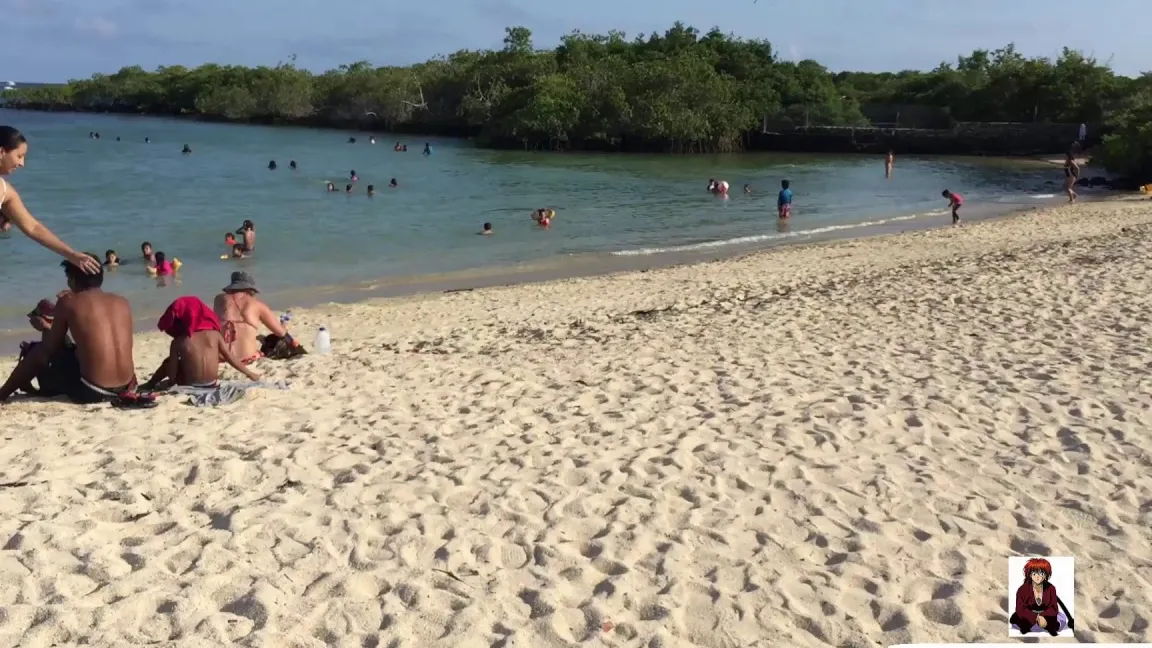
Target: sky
(57, 40)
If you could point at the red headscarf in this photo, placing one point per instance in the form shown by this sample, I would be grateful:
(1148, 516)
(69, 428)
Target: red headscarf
(186, 316)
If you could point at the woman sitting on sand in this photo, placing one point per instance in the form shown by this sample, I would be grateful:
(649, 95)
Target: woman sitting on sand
(242, 314)
(197, 348)
(13, 149)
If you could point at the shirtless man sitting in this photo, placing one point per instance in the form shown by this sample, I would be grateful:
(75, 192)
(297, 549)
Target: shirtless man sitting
(197, 348)
(242, 314)
(99, 367)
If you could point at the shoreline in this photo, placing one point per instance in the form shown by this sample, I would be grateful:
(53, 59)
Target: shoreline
(589, 265)
(821, 444)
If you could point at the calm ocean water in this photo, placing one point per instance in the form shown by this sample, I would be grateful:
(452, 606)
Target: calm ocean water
(100, 194)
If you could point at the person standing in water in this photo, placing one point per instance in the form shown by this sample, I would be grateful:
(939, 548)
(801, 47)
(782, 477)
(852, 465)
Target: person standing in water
(427, 149)
(784, 200)
(889, 160)
(248, 231)
(1071, 175)
(13, 149)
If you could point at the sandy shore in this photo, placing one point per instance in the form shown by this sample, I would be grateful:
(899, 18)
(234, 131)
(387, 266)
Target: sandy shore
(828, 445)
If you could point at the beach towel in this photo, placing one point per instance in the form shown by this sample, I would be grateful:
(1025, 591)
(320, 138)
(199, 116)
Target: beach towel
(226, 393)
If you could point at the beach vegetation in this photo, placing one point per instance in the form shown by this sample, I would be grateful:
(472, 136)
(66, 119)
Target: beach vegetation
(680, 91)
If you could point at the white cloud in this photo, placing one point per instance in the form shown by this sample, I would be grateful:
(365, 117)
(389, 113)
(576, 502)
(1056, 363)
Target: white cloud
(101, 27)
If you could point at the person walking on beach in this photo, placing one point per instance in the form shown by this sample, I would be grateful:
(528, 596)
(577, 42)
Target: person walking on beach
(13, 149)
(1071, 176)
(888, 161)
(955, 202)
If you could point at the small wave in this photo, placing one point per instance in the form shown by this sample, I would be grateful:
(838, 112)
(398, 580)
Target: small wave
(1042, 196)
(760, 238)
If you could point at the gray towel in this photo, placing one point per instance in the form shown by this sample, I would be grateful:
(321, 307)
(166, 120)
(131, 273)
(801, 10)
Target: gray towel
(227, 393)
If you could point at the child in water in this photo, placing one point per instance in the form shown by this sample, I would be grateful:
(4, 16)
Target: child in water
(111, 260)
(784, 200)
(955, 202)
(487, 231)
(331, 188)
(163, 267)
(238, 251)
(229, 239)
(146, 252)
(371, 190)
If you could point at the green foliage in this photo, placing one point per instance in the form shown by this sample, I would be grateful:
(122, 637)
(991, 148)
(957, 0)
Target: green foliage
(1127, 149)
(679, 91)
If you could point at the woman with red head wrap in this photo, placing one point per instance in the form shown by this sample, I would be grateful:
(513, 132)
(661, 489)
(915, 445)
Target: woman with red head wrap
(197, 347)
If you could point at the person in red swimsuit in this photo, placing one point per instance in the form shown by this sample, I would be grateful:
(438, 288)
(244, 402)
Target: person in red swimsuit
(955, 202)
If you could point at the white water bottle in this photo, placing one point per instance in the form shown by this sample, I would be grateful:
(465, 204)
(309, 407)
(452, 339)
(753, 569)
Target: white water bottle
(323, 341)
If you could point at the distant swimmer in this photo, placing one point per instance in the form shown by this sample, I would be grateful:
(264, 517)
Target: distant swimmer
(784, 200)
(146, 253)
(487, 230)
(372, 140)
(955, 202)
(352, 175)
(889, 160)
(271, 165)
(747, 189)
(427, 149)
(393, 183)
(347, 189)
(110, 259)
(147, 140)
(97, 135)
(186, 151)
(292, 165)
(544, 216)
(718, 187)
(396, 147)
(331, 188)
(351, 140)
(117, 138)
(371, 190)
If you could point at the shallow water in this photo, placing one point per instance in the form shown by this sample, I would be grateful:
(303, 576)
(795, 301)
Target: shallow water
(100, 194)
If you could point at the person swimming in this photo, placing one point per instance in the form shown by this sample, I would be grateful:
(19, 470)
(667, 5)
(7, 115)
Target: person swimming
(147, 140)
(393, 184)
(229, 239)
(163, 267)
(347, 189)
(110, 259)
(544, 216)
(186, 151)
(271, 165)
(372, 140)
(331, 187)
(352, 175)
(747, 189)
(487, 231)
(292, 165)
(371, 190)
(718, 187)
(146, 253)
(351, 140)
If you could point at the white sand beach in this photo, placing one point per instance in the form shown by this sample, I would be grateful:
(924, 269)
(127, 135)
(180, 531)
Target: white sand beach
(836, 444)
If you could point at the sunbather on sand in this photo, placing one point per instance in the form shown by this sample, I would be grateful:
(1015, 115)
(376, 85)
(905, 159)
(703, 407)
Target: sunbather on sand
(197, 348)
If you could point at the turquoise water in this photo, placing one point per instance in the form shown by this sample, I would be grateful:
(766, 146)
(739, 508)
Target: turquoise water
(100, 194)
